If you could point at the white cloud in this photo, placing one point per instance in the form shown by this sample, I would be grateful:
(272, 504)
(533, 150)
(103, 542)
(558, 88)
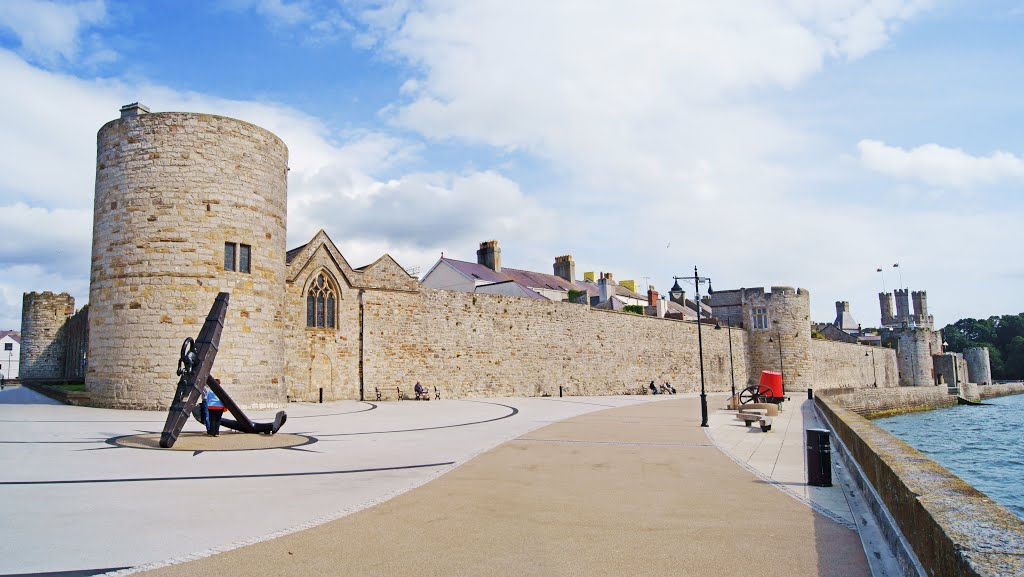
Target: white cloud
(941, 166)
(49, 31)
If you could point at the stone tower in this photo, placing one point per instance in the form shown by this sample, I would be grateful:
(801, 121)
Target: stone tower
(902, 306)
(914, 357)
(979, 369)
(786, 321)
(885, 304)
(44, 346)
(187, 205)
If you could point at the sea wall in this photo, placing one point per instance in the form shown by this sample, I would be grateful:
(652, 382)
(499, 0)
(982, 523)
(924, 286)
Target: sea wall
(845, 365)
(952, 528)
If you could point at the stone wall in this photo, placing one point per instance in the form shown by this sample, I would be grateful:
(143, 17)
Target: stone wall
(952, 528)
(1000, 390)
(76, 334)
(876, 403)
(844, 365)
(480, 345)
(43, 335)
(171, 189)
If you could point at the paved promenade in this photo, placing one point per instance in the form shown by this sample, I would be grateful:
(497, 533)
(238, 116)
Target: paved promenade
(596, 485)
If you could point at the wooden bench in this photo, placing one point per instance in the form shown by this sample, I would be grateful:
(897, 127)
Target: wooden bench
(756, 416)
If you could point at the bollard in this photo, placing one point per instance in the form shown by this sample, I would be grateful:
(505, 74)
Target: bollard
(810, 394)
(321, 394)
(819, 458)
(559, 391)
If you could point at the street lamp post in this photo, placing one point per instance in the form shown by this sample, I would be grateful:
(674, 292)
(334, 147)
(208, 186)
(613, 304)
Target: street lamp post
(782, 370)
(732, 372)
(874, 371)
(697, 279)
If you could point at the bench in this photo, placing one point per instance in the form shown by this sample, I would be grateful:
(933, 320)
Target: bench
(758, 416)
(383, 394)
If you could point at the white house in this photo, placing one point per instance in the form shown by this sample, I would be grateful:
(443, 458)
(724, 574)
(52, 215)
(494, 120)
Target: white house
(9, 354)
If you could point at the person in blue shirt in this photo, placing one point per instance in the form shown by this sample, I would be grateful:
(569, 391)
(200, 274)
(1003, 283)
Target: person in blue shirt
(213, 410)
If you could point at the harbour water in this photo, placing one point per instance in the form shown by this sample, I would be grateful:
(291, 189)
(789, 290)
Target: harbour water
(981, 445)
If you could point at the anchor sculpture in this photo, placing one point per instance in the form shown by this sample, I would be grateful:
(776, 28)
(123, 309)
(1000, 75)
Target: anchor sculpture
(194, 366)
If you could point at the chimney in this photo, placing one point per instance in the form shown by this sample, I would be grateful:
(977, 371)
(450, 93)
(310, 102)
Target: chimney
(133, 109)
(489, 255)
(662, 307)
(606, 286)
(565, 268)
(652, 296)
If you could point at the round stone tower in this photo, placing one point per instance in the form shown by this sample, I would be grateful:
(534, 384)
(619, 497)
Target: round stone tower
(914, 357)
(43, 344)
(979, 370)
(187, 205)
(780, 325)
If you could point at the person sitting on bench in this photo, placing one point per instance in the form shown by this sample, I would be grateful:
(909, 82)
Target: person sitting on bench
(668, 389)
(654, 389)
(421, 392)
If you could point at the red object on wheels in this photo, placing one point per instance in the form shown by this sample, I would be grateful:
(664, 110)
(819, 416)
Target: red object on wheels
(773, 381)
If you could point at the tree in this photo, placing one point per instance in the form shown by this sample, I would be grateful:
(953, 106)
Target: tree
(1015, 358)
(635, 309)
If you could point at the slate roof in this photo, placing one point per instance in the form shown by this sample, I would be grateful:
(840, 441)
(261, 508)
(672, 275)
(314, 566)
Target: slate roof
(527, 291)
(290, 255)
(529, 279)
(13, 334)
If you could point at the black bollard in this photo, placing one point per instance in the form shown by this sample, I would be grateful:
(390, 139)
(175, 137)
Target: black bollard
(819, 458)
(559, 391)
(321, 394)
(810, 394)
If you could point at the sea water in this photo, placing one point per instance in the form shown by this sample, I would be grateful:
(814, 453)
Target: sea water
(982, 445)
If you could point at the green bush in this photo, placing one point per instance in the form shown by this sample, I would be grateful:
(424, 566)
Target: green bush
(635, 309)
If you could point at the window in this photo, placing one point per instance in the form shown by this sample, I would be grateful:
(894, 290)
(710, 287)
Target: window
(8, 346)
(244, 260)
(760, 320)
(320, 303)
(244, 254)
(229, 256)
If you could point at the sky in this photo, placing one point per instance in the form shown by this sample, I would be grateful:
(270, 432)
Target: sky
(768, 142)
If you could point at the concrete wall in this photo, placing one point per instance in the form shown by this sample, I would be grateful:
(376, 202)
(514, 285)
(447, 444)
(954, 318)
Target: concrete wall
(952, 528)
(43, 335)
(844, 365)
(171, 189)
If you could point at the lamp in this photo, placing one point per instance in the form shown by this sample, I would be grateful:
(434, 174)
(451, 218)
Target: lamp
(697, 280)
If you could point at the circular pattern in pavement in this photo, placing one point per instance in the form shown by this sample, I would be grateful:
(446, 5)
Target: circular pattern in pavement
(192, 441)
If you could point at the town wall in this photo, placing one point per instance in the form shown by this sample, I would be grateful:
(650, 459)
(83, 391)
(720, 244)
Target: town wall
(43, 335)
(171, 189)
(844, 365)
(481, 345)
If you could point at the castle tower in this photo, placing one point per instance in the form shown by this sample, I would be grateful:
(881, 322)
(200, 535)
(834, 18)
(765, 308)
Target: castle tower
(902, 306)
(885, 304)
(979, 369)
(920, 300)
(914, 357)
(780, 317)
(43, 342)
(187, 205)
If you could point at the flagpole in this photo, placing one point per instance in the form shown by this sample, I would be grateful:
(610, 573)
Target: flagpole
(897, 265)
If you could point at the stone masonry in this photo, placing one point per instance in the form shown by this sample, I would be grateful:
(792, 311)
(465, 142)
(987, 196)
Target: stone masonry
(180, 197)
(43, 343)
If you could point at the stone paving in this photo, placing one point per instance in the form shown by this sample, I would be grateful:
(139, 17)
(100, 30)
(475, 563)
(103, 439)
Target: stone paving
(77, 498)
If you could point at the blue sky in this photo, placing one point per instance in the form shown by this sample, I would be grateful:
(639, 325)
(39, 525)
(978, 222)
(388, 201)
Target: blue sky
(783, 142)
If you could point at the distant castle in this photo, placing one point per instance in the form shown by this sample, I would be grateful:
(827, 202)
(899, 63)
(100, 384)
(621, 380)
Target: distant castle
(188, 205)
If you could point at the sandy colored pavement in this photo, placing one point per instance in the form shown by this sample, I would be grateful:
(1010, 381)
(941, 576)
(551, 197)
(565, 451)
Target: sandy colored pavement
(637, 490)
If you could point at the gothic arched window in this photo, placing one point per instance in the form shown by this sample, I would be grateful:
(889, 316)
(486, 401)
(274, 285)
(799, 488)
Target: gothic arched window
(320, 303)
